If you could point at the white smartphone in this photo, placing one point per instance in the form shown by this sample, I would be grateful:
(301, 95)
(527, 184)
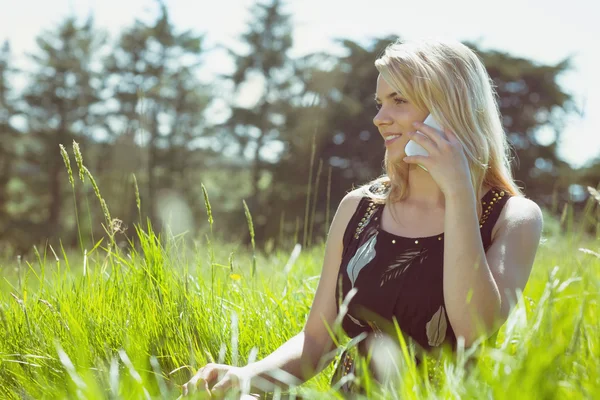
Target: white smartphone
(412, 148)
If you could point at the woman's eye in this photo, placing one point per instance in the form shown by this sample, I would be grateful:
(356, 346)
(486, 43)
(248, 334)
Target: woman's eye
(397, 101)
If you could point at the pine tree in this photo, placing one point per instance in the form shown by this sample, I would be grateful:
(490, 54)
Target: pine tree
(9, 135)
(160, 104)
(59, 100)
(267, 40)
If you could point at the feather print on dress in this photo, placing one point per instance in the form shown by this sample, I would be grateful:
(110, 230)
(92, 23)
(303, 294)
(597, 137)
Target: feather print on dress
(364, 255)
(402, 263)
(436, 327)
(357, 322)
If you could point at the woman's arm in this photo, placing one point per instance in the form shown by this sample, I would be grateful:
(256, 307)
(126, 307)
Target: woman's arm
(478, 287)
(293, 363)
(309, 352)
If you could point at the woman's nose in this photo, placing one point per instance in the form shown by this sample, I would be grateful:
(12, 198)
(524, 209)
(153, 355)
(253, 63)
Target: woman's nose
(381, 118)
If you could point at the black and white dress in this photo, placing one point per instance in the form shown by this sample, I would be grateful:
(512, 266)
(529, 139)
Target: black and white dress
(397, 277)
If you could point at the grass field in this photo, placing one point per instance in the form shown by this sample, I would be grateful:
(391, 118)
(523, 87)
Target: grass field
(136, 322)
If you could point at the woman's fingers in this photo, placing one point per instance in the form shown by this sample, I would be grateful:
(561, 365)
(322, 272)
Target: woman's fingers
(190, 386)
(205, 375)
(423, 140)
(226, 377)
(224, 384)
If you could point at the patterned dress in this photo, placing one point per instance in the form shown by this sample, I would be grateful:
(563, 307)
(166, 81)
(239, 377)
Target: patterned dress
(399, 277)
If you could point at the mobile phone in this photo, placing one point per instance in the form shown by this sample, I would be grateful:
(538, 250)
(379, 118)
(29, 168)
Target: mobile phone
(412, 148)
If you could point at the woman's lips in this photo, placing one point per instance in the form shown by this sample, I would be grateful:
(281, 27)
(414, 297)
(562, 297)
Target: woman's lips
(389, 142)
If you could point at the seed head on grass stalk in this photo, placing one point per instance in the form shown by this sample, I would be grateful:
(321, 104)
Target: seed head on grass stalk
(79, 159)
(208, 208)
(67, 161)
(209, 240)
(138, 202)
(251, 228)
(231, 261)
(112, 226)
(97, 191)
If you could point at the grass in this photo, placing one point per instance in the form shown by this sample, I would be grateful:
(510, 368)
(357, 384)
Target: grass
(137, 322)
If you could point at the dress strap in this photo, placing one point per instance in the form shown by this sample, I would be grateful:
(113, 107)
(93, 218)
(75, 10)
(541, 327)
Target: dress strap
(492, 204)
(359, 227)
(357, 223)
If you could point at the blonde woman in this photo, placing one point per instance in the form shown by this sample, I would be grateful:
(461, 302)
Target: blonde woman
(441, 244)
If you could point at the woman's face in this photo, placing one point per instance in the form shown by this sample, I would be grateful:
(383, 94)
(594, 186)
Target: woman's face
(395, 117)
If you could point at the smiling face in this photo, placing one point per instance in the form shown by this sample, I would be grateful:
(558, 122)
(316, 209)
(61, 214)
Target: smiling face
(395, 117)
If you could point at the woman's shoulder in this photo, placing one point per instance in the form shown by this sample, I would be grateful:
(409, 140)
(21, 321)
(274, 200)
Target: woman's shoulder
(350, 202)
(518, 210)
(521, 208)
(354, 202)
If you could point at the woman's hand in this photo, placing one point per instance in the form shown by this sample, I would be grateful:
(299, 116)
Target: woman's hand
(446, 162)
(220, 376)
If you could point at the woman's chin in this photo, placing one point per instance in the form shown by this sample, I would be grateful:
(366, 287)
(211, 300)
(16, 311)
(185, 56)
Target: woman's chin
(395, 156)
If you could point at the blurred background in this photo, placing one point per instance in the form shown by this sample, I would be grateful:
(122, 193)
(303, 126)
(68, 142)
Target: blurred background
(268, 102)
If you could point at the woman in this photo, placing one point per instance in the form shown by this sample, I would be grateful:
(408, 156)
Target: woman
(442, 250)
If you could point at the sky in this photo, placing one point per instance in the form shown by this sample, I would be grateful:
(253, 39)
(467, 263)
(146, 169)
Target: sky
(546, 31)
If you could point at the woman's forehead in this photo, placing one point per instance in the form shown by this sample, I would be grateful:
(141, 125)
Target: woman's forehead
(383, 89)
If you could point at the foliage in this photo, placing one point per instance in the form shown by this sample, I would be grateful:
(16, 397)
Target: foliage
(138, 109)
(9, 151)
(159, 117)
(138, 321)
(340, 119)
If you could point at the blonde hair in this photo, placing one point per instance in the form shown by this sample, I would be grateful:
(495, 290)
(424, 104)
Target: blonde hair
(448, 80)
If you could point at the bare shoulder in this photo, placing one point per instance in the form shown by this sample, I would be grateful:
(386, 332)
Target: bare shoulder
(348, 205)
(520, 213)
(354, 195)
(519, 210)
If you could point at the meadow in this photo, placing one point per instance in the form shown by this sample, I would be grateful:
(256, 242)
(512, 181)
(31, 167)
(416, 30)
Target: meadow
(136, 321)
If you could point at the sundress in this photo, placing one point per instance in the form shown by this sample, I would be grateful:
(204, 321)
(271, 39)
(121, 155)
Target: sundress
(399, 277)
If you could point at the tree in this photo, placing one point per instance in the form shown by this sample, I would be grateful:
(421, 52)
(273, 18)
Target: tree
(160, 103)
(10, 136)
(254, 128)
(347, 141)
(531, 101)
(59, 103)
(259, 130)
(335, 107)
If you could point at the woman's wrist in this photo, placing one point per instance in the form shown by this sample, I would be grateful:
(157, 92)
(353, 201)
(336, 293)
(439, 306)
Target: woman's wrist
(460, 192)
(259, 382)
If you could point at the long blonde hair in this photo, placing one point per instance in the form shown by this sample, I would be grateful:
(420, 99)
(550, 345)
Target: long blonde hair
(448, 80)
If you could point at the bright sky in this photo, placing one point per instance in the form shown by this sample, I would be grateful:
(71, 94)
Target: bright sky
(542, 30)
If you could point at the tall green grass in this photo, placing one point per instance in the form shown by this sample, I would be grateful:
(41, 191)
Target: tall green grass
(137, 322)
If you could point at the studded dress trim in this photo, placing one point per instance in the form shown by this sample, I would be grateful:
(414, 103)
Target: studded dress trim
(488, 207)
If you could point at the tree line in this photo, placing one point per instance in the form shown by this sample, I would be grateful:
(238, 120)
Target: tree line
(137, 108)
